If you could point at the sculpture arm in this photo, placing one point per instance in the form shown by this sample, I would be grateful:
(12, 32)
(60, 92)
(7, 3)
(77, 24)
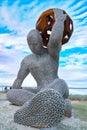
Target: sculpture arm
(54, 44)
(23, 72)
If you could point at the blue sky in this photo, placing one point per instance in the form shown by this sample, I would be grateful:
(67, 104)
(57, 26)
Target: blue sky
(18, 17)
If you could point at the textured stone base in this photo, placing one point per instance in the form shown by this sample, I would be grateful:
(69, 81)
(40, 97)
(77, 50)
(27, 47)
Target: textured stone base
(6, 120)
(46, 109)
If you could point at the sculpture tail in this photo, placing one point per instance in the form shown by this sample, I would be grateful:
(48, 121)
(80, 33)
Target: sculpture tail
(46, 109)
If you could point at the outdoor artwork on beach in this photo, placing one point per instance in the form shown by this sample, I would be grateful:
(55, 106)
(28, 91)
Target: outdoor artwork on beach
(47, 104)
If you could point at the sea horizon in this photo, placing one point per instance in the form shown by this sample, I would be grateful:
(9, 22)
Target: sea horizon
(72, 91)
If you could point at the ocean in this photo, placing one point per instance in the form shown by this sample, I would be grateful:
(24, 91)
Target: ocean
(73, 91)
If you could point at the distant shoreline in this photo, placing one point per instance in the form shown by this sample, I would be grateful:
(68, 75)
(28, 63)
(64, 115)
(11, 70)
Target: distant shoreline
(72, 90)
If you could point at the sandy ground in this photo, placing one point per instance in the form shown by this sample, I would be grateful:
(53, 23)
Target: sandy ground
(6, 119)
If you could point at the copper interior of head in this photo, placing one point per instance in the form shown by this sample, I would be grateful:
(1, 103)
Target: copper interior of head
(45, 23)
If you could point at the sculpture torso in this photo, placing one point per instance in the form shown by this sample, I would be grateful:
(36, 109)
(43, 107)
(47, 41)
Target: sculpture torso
(40, 66)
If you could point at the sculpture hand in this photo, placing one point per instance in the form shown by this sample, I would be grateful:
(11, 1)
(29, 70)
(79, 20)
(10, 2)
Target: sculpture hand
(59, 16)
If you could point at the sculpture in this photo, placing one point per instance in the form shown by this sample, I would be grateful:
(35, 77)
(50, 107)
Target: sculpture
(45, 23)
(45, 105)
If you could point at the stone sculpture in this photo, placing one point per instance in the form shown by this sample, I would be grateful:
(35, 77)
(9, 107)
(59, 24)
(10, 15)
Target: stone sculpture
(46, 105)
(45, 23)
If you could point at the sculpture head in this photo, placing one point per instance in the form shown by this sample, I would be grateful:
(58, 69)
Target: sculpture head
(34, 40)
(45, 23)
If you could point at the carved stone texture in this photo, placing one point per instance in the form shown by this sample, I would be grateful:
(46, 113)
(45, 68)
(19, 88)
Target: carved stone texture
(45, 23)
(46, 109)
(43, 106)
(68, 108)
(19, 96)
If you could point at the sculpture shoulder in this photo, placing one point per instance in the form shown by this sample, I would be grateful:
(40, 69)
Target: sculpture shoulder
(28, 60)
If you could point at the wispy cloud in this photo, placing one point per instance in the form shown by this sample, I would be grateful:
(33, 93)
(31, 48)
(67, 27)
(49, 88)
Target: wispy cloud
(17, 18)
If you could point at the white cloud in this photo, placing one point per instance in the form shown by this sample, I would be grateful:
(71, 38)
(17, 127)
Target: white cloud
(72, 72)
(75, 59)
(75, 76)
(16, 18)
(21, 19)
(29, 81)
